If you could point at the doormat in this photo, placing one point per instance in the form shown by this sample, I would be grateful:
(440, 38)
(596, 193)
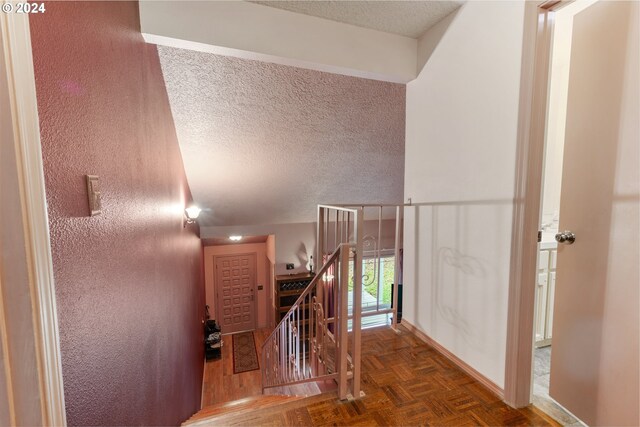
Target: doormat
(245, 357)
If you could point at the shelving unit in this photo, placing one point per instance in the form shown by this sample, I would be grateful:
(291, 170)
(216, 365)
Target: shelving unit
(287, 290)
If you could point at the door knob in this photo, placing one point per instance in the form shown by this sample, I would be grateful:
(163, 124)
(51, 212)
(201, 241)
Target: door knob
(567, 237)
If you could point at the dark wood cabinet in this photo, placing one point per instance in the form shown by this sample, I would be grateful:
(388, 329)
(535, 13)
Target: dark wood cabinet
(287, 290)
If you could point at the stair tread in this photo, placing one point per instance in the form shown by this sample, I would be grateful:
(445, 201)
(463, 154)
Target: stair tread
(235, 406)
(250, 414)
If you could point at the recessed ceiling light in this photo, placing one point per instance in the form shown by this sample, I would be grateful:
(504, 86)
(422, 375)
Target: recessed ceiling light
(235, 238)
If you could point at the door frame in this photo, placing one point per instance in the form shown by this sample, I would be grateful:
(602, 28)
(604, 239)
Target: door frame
(255, 285)
(18, 65)
(534, 88)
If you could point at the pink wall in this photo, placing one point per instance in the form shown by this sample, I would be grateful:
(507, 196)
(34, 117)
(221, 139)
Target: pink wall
(271, 265)
(128, 282)
(292, 243)
(262, 277)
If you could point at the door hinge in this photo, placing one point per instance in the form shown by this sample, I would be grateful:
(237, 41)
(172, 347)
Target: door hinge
(539, 236)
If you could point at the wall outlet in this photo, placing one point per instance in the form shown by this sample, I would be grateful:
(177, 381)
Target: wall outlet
(289, 266)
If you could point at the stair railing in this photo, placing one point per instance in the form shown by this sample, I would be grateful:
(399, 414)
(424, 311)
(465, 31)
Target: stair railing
(311, 342)
(340, 225)
(377, 232)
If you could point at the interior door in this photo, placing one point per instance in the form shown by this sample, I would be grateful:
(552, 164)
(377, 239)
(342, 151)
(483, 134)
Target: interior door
(235, 290)
(594, 361)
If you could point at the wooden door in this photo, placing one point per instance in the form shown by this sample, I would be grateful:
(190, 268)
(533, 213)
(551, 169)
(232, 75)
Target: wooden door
(594, 358)
(235, 292)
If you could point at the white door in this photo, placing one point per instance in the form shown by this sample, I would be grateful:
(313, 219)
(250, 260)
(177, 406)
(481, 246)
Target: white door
(594, 361)
(235, 291)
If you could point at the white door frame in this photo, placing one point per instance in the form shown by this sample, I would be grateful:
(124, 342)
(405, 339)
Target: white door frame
(18, 64)
(534, 83)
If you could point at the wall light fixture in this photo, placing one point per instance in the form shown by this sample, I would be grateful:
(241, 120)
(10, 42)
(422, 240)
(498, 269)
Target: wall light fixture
(191, 213)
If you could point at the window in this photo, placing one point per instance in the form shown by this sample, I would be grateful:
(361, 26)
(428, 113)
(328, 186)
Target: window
(370, 279)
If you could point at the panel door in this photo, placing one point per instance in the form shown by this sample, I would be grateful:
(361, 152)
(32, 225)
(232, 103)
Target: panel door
(594, 362)
(235, 292)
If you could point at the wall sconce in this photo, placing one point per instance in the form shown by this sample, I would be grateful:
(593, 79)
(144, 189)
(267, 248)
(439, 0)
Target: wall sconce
(191, 213)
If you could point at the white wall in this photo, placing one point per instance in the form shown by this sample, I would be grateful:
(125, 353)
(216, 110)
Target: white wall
(462, 114)
(253, 31)
(271, 264)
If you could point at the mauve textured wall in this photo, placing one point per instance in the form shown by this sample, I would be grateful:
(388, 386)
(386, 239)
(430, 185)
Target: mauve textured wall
(129, 282)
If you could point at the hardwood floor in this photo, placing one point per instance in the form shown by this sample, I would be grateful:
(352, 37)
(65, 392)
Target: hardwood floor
(406, 383)
(222, 385)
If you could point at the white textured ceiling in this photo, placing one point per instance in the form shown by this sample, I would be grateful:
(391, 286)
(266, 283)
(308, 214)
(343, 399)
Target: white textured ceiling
(264, 143)
(406, 18)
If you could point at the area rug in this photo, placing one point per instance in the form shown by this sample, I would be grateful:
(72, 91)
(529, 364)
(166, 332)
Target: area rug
(245, 357)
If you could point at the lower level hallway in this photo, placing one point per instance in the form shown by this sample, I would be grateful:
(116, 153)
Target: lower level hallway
(406, 382)
(222, 385)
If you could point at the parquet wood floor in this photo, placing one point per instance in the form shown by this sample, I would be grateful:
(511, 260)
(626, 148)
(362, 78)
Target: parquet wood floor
(406, 383)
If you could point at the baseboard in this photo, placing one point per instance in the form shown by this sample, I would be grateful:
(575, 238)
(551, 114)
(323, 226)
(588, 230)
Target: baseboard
(202, 387)
(493, 387)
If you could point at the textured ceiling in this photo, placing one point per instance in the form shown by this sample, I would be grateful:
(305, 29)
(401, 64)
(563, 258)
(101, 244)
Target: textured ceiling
(264, 143)
(407, 18)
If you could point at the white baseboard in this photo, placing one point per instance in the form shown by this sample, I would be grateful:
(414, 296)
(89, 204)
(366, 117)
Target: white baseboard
(493, 387)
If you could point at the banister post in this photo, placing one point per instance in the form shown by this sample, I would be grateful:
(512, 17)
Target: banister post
(396, 267)
(320, 245)
(342, 322)
(320, 236)
(357, 300)
(317, 369)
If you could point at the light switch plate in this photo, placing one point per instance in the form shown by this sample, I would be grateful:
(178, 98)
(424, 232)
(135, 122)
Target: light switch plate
(93, 194)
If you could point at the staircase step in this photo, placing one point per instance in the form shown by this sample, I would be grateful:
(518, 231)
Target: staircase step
(304, 389)
(238, 407)
(254, 411)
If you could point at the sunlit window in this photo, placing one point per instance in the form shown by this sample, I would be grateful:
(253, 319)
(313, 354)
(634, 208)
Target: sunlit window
(375, 277)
